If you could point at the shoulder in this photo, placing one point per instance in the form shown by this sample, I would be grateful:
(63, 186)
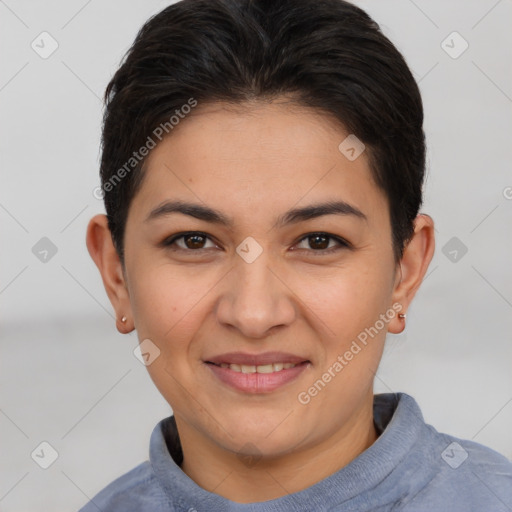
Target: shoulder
(137, 490)
(467, 476)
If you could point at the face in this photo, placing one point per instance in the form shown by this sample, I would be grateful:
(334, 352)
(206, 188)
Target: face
(251, 277)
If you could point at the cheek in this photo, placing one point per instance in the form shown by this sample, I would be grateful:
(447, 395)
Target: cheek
(350, 305)
(169, 305)
(347, 300)
(167, 308)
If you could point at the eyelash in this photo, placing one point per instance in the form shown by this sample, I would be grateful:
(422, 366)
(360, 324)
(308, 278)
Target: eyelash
(343, 244)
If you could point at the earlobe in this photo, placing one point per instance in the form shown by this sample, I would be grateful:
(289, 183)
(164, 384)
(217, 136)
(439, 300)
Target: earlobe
(416, 258)
(102, 250)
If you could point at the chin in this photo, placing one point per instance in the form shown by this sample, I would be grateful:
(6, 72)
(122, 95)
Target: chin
(269, 435)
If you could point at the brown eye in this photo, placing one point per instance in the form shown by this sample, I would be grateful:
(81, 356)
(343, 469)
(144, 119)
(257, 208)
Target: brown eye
(194, 241)
(189, 242)
(321, 243)
(318, 241)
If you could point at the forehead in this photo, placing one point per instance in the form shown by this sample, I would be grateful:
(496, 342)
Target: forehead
(256, 155)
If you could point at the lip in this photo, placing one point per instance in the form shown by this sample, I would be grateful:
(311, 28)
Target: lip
(255, 383)
(256, 359)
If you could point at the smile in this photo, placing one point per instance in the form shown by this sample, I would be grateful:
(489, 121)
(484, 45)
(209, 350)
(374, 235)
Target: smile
(256, 373)
(264, 368)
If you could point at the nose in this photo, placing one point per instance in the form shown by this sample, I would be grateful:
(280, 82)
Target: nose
(255, 298)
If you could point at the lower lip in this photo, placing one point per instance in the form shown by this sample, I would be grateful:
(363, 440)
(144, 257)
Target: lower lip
(257, 382)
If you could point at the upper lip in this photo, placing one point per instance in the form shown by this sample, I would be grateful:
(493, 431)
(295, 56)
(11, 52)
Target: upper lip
(256, 359)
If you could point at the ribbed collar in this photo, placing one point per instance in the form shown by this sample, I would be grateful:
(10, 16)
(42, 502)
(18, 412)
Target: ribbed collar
(373, 476)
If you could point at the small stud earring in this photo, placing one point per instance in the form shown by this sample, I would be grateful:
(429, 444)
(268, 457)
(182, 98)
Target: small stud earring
(123, 319)
(402, 315)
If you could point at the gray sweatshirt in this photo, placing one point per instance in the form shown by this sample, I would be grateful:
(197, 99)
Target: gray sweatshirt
(411, 467)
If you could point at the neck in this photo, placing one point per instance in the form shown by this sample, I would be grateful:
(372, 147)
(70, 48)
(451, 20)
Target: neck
(220, 471)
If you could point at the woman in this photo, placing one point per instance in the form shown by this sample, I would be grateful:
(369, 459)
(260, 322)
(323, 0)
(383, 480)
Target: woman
(262, 172)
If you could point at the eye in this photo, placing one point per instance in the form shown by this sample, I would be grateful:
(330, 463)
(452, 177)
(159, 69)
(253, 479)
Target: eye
(191, 241)
(320, 243)
(196, 241)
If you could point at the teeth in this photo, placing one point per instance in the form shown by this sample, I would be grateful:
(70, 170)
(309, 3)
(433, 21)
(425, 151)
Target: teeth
(264, 368)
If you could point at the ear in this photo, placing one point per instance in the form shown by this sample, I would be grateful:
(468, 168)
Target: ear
(101, 248)
(413, 267)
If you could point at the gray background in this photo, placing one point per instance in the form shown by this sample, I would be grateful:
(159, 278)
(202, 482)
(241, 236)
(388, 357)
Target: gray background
(68, 378)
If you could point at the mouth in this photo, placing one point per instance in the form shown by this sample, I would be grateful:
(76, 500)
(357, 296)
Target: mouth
(263, 368)
(257, 373)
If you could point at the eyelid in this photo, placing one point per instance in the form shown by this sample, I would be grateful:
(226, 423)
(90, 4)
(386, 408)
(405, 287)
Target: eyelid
(171, 240)
(342, 243)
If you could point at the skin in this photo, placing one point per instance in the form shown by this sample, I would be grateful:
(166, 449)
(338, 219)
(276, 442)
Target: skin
(253, 163)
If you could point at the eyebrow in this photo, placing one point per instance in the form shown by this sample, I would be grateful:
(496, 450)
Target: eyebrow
(292, 216)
